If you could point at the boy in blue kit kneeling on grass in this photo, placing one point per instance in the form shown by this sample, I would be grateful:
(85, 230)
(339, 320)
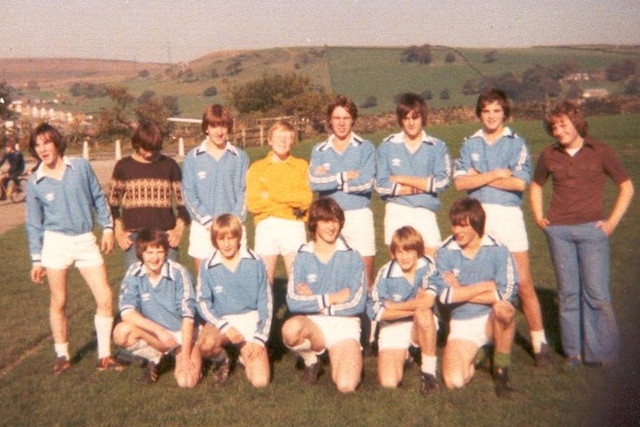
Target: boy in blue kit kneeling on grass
(404, 309)
(477, 281)
(157, 307)
(235, 300)
(326, 293)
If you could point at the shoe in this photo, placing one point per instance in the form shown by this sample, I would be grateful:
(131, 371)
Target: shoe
(311, 374)
(151, 374)
(543, 357)
(483, 358)
(220, 372)
(62, 364)
(573, 362)
(502, 382)
(428, 385)
(108, 364)
(367, 350)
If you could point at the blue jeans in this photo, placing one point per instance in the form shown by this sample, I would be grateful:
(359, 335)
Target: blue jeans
(130, 257)
(580, 255)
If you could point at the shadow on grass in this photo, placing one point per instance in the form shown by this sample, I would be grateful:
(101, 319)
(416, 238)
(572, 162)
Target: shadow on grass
(548, 299)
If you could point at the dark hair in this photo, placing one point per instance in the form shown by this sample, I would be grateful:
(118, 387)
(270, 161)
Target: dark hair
(572, 111)
(151, 238)
(468, 211)
(407, 238)
(325, 209)
(147, 136)
(410, 102)
(493, 95)
(52, 134)
(217, 115)
(344, 102)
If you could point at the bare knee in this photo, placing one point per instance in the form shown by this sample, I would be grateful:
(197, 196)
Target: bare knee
(504, 311)
(121, 334)
(423, 318)
(345, 385)
(291, 332)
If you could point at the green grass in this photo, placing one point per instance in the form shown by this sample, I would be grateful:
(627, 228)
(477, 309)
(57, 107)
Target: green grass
(30, 395)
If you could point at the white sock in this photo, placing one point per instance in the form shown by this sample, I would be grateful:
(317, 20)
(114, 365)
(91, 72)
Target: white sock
(428, 364)
(144, 350)
(62, 350)
(537, 339)
(103, 333)
(304, 350)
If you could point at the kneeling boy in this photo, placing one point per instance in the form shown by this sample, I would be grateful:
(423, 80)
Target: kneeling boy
(404, 310)
(157, 307)
(326, 292)
(236, 301)
(477, 279)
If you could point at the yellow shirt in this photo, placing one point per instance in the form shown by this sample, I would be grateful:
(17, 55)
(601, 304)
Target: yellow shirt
(276, 188)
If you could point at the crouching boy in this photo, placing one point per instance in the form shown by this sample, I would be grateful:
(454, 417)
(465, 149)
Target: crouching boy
(157, 307)
(236, 302)
(404, 309)
(477, 279)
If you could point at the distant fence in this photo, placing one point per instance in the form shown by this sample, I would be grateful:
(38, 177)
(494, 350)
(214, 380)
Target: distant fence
(247, 132)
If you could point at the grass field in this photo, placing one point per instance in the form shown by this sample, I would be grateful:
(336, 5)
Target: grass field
(30, 395)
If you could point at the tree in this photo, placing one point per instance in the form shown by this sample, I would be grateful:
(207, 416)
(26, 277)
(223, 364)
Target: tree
(444, 94)
(491, 56)
(6, 95)
(450, 57)
(113, 121)
(419, 54)
(371, 101)
(210, 91)
(470, 87)
(574, 91)
(278, 94)
(143, 74)
(158, 110)
(633, 86)
(427, 95)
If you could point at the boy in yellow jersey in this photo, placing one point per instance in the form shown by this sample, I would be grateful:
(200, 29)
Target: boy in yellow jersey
(278, 196)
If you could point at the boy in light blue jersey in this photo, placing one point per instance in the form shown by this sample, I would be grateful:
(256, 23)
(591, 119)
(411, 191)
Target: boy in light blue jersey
(404, 310)
(326, 293)
(495, 168)
(62, 195)
(213, 180)
(477, 280)
(344, 167)
(235, 299)
(158, 307)
(413, 168)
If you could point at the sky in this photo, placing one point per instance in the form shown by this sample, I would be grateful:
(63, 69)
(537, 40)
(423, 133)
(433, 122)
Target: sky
(184, 30)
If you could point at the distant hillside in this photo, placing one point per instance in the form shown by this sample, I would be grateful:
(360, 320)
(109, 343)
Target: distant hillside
(361, 73)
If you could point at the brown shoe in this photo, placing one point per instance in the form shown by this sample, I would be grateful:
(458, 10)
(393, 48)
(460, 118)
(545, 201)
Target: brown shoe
(311, 374)
(150, 375)
(62, 364)
(543, 357)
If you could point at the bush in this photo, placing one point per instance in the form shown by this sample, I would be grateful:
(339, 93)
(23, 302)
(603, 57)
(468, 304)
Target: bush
(370, 102)
(444, 94)
(210, 91)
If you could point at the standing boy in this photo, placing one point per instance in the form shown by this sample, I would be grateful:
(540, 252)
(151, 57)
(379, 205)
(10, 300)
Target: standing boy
(235, 300)
(62, 196)
(578, 232)
(144, 187)
(15, 159)
(157, 307)
(213, 180)
(326, 293)
(404, 310)
(477, 280)
(278, 196)
(343, 168)
(412, 169)
(495, 168)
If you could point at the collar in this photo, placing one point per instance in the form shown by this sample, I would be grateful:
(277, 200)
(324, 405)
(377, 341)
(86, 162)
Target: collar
(587, 142)
(165, 271)
(202, 148)
(398, 138)
(355, 141)
(487, 240)
(216, 258)
(40, 175)
(506, 131)
(341, 245)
